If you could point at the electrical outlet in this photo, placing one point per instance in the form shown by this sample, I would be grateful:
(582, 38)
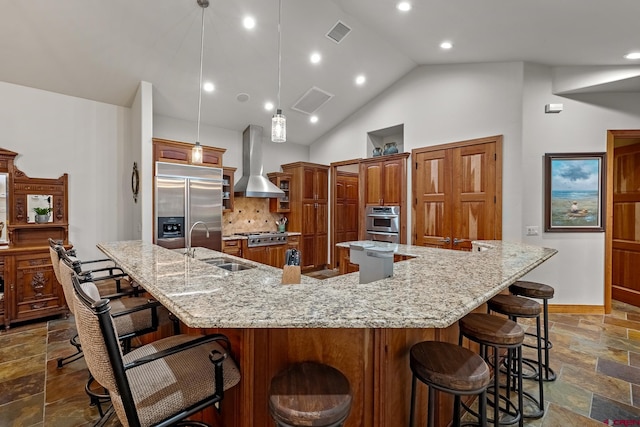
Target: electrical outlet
(531, 230)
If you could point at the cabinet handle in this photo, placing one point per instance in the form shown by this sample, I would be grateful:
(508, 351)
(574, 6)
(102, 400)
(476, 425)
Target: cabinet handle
(446, 240)
(456, 241)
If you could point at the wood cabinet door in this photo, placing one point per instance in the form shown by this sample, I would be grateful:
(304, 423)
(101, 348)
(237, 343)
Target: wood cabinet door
(309, 219)
(321, 184)
(392, 180)
(372, 183)
(258, 254)
(276, 255)
(308, 183)
(36, 288)
(457, 193)
(432, 192)
(321, 218)
(321, 246)
(307, 251)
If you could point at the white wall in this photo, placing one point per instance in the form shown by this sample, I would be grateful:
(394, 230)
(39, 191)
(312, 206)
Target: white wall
(57, 134)
(273, 154)
(577, 271)
(442, 104)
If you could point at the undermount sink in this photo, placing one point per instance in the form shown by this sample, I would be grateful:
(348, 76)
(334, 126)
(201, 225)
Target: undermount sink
(227, 263)
(234, 266)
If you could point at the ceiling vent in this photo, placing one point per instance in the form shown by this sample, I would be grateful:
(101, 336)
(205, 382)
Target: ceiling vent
(313, 99)
(338, 32)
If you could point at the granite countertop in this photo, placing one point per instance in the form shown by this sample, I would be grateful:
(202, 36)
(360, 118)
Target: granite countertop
(432, 290)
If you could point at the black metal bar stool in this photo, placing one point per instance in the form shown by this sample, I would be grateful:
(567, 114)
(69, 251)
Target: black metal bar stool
(545, 293)
(498, 333)
(309, 394)
(452, 369)
(518, 307)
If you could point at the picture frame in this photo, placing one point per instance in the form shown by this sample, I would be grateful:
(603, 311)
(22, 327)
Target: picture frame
(574, 192)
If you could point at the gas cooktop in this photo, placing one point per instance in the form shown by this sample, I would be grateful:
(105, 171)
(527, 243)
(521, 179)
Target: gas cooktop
(265, 238)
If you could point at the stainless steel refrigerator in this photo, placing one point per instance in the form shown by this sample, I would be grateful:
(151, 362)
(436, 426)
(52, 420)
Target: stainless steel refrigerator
(186, 194)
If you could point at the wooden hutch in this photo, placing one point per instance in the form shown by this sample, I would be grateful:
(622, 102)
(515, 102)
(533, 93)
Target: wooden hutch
(30, 290)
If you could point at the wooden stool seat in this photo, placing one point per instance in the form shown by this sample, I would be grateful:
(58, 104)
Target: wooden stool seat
(309, 394)
(531, 290)
(492, 330)
(449, 366)
(512, 305)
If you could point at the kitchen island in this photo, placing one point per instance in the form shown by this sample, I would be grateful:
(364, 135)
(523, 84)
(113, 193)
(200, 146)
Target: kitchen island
(365, 330)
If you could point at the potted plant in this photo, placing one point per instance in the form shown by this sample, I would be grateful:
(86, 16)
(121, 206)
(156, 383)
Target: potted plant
(42, 215)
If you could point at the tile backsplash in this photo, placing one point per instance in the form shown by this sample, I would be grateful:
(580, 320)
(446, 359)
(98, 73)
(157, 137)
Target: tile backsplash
(249, 214)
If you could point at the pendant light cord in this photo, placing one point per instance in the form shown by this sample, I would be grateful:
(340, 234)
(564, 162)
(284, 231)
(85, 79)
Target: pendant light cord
(200, 77)
(279, 47)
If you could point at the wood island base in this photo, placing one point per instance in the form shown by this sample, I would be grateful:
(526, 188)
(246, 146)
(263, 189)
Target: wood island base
(376, 362)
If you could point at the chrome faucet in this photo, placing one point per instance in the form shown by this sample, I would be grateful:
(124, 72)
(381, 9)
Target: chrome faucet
(192, 253)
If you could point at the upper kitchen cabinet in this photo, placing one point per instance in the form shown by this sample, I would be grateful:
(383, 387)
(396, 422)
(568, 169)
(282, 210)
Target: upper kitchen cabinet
(384, 180)
(309, 200)
(165, 150)
(228, 176)
(282, 181)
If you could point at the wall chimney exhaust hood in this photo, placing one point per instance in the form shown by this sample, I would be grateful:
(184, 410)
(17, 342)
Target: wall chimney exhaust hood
(253, 183)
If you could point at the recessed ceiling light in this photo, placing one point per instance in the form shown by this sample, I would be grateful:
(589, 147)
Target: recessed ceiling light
(315, 57)
(208, 87)
(633, 55)
(249, 22)
(360, 79)
(404, 6)
(313, 119)
(446, 45)
(268, 106)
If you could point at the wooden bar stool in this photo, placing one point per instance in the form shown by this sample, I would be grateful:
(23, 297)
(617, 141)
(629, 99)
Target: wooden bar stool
(309, 394)
(518, 307)
(451, 369)
(545, 293)
(498, 333)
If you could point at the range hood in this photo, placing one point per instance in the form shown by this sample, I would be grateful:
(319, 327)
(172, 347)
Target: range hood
(253, 183)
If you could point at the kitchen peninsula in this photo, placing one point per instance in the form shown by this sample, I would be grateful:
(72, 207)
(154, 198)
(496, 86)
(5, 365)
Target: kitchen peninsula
(365, 330)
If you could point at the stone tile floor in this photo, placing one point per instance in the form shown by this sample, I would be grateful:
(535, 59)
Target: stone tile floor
(596, 357)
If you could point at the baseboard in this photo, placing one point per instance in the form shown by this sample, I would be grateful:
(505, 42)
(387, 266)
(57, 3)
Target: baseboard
(576, 309)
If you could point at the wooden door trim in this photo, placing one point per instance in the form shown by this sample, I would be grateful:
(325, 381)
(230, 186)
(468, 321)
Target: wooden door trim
(612, 135)
(497, 140)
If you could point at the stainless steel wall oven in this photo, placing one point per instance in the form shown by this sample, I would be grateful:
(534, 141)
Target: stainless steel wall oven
(383, 223)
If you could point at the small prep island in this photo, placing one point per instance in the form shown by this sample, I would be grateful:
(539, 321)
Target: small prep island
(365, 330)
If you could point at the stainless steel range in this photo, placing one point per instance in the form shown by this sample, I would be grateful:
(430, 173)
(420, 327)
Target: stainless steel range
(265, 238)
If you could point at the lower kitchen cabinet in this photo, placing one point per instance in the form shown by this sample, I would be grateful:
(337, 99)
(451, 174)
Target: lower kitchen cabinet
(271, 255)
(232, 247)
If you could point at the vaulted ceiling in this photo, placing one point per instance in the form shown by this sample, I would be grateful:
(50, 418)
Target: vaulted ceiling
(101, 50)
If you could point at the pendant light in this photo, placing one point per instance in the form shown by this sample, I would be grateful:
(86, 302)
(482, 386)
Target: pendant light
(279, 121)
(196, 151)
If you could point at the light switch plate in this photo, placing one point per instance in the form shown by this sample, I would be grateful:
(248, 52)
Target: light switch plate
(531, 230)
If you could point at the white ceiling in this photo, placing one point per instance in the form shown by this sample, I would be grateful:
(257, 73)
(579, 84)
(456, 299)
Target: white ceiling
(101, 50)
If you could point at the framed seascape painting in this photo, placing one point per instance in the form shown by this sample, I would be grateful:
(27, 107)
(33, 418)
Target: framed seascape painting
(574, 192)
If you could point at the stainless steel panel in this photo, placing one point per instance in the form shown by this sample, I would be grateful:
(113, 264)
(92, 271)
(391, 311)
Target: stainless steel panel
(170, 195)
(378, 236)
(187, 171)
(205, 204)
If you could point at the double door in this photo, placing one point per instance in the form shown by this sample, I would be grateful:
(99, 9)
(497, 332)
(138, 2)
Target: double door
(457, 193)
